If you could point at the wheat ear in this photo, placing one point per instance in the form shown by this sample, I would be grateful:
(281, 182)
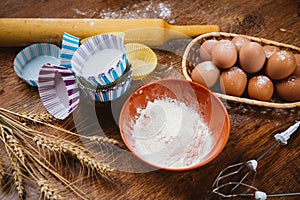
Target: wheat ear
(14, 144)
(30, 118)
(103, 140)
(61, 146)
(14, 152)
(2, 171)
(48, 191)
(18, 176)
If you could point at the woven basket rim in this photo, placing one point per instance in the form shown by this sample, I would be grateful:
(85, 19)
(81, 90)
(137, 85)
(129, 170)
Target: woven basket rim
(233, 98)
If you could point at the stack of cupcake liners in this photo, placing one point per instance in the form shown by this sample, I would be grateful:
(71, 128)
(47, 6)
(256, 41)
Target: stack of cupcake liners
(58, 73)
(104, 79)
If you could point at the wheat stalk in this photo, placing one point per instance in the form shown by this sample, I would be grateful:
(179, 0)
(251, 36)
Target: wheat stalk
(15, 132)
(102, 139)
(18, 162)
(61, 146)
(37, 167)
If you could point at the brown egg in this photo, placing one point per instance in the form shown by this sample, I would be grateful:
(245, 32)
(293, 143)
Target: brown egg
(281, 65)
(297, 70)
(270, 50)
(260, 87)
(224, 54)
(233, 81)
(205, 49)
(206, 73)
(240, 41)
(289, 88)
(252, 57)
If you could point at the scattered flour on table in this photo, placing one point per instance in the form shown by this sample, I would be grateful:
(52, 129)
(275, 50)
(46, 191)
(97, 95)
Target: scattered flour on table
(143, 9)
(140, 10)
(169, 134)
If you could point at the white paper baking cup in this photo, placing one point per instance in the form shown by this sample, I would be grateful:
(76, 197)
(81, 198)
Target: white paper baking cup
(101, 60)
(58, 90)
(69, 45)
(30, 60)
(109, 94)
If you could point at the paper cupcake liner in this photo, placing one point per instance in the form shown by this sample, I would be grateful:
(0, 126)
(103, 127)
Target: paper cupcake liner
(112, 74)
(96, 86)
(119, 34)
(109, 94)
(142, 58)
(91, 47)
(58, 90)
(30, 60)
(69, 45)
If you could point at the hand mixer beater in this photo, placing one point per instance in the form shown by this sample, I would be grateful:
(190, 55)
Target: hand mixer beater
(243, 186)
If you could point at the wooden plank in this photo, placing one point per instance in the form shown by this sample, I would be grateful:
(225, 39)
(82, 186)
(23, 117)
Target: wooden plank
(252, 128)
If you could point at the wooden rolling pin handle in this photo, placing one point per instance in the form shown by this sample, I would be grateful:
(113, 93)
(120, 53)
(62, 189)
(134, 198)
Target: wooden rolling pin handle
(193, 30)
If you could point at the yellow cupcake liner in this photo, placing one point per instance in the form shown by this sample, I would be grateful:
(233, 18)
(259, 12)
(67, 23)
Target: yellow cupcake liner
(142, 59)
(119, 34)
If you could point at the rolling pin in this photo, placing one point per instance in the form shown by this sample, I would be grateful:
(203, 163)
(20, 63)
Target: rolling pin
(152, 32)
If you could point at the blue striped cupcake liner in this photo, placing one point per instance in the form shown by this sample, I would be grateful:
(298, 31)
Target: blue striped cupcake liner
(69, 45)
(96, 87)
(105, 80)
(30, 60)
(92, 46)
(58, 90)
(109, 94)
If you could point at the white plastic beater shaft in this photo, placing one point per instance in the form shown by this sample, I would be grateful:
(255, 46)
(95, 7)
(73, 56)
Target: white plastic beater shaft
(284, 136)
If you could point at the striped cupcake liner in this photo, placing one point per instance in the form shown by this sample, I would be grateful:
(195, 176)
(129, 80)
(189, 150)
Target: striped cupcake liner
(30, 60)
(105, 79)
(58, 90)
(92, 46)
(69, 45)
(88, 84)
(109, 94)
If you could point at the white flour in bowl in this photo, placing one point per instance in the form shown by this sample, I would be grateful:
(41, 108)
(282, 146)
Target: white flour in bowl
(169, 134)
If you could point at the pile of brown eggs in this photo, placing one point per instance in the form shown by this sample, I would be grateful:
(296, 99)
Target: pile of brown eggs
(244, 67)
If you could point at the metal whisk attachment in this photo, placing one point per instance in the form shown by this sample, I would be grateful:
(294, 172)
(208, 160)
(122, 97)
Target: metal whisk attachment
(229, 183)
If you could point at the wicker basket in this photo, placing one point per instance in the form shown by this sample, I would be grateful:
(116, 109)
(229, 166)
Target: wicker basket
(191, 59)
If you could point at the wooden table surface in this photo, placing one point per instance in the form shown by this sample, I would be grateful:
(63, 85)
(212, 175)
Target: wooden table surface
(252, 127)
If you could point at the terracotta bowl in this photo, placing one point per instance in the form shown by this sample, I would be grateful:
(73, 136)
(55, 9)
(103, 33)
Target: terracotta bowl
(195, 96)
